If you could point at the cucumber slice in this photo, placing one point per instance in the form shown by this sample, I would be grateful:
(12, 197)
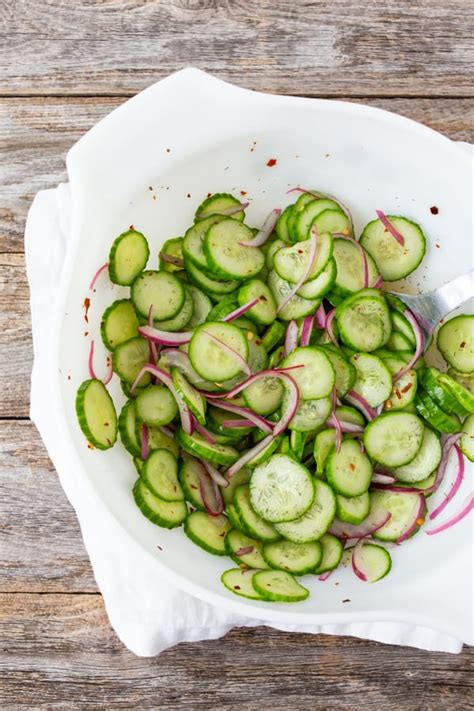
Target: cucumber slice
(216, 418)
(332, 221)
(235, 542)
(398, 342)
(297, 209)
(263, 313)
(159, 440)
(167, 514)
(219, 204)
(394, 438)
(467, 440)
(210, 359)
(156, 406)
(119, 323)
(96, 414)
(201, 306)
(190, 480)
(297, 444)
(266, 453)
(272, 249)
(310, 414)
(316, 378)
(344, 371)
(193, 241)
(402, 325)
(213, 287)
(441, 391)
(190, 396)
(349, 471)
(291, 263)
(419, 485)
(160, 474)
(138, 465)
(434, 415)
(281, 489)
(216, 453)
(127, 429)
(402, 507)
(371, 562)
(373, 379)
(424, 463)
(465, 379)
(253, 524)
(171, 248)
(273, 335)
(297, 307)
(353, 509)
(227, 258)
(464, 398)
(129, 358)
(278, 586)
(363, 321)
(332, 553)
(316, 521)
(207, 532)
(350, 268)
(404, 388)
(346, 413)
(264, 396)
(128, 257)
(240, 582)
(295, 558)
(394, 261)
(304, 219)
(162, 291)
(324, 442)
(182, 318)
(281, 227)
(316, 288)
(242, 477)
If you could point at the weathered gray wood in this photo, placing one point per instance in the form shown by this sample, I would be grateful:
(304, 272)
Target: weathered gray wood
(35, 135)
(313, 48)
(58, 651)
(40, 540)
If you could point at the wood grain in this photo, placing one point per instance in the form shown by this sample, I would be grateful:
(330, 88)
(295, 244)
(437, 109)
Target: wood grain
(59, 651)
(35, 135)
(312, 47)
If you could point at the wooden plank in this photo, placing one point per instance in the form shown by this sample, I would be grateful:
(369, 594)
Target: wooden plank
(344, 47)
(40, 540)
(59, 651)
(35, 135)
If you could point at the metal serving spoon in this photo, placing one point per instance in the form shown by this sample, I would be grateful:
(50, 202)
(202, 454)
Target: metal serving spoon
(431, 307)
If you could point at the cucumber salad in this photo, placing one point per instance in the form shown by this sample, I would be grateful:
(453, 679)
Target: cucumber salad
(278, 403)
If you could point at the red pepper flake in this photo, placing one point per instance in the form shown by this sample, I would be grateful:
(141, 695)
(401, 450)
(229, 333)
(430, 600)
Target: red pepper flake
(109, 442)
(86, 333)
(258, 342)
(271, 162)
(438, 246)
(407, 387)
(352, 467)
(420, 521)
(462, 345)
(209, 194)
(264, 298)
(188, 195)
(388, 405)
(434, 210)
(243, 192)
(193, 486)
(398, 393)
(150, 187)
(90, 446)
(236, 587)
(87, 304)
(159, 547)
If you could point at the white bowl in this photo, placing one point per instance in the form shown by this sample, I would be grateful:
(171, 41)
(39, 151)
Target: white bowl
(149, 164)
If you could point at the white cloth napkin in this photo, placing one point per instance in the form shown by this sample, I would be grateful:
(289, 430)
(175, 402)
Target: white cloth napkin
(148, 614)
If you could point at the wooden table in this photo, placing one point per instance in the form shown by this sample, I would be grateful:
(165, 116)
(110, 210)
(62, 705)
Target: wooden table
(64, 65)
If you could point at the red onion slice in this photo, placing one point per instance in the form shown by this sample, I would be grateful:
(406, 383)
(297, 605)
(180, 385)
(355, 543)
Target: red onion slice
(291, 337)
(166, 338)
(181, 360)
(215, 474)
(144, 442)
(337, 424)
(167, 430)
(184, 411)
(92, 373)
(325, 576)
(248, 456)
(466, 508)
(375, 520)
(378, 283)
(320, 196)
(237, 313)
(244, 551)
(329, 331)
(379, 478)
(313, 251)
(264, 233)
(339, 235)
(231, 424)
(418, 520)
(454, 488)
(171, 259)
(389, 227)
(361, 404)
(97, 275)
(227, 211)
(245, 412)
(230, 351)
(419, 345)
(321, 317)
(203, 431)
(307, 330)
(151, 344)
(347, 427)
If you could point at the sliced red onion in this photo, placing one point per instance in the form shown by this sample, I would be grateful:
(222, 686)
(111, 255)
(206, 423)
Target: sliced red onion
(361, 403)
(291, 337)
(228, 211)
(378, 283)
(237, 313)
(325, 576)
(144, 442)
(415, 524)
(320, 196)
(339, 235)
(151, 344)
(375, 520)
(264, 233)
(184, 411)
(92, 373)
(329, 331)
(166, 338)
(171, 259)
(348, 427)
(215, 474)
(307, 330)
(97, 275)
(313, 251)
(466, 508)
(321, 317)
(203, 431)
(419, 345)
(181, 360)
(356, 563)
(454, 488)
(230, 351)
(248, 456)
(389, 227)
(167, 430)
(337, 424)
(244, 551)
(153, 370)
(231, 424)
(378, 478)
(449, 442)
(246, 413)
